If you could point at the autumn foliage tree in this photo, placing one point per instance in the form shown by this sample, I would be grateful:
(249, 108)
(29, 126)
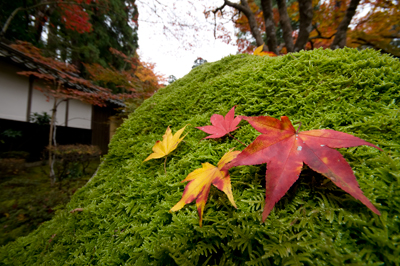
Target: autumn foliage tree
(289, 26)
(138, 78)
(379, 28)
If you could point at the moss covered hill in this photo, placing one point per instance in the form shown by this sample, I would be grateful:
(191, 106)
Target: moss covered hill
(125, 218)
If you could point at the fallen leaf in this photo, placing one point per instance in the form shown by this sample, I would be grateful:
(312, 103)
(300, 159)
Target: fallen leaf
(284, 150)
(167, 145)
(220, 125)
(21, 217)
(259, 51)
(52, 237)
(77, 210)
(200, 183)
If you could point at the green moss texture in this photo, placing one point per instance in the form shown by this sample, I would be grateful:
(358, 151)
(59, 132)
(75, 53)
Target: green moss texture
(125, 218)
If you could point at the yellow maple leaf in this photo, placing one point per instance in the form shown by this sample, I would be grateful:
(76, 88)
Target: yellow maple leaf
(259, 51)
(200, 184)
(167, 145)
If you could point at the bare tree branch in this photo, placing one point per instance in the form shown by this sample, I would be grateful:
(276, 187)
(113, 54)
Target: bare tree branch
(215, 11)
(319, 36)
(366, 42)
(245, 9)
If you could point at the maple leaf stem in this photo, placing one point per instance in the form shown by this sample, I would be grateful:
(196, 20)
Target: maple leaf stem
(298, 129)
(237, 140)
(165, 165)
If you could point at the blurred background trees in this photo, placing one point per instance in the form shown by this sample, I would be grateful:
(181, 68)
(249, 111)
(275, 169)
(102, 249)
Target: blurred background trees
(286, 26)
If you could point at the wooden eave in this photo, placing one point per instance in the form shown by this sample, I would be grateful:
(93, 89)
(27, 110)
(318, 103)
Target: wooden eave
(27, 62)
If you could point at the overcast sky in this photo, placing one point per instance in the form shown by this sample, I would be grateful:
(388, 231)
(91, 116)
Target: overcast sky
(164, 44)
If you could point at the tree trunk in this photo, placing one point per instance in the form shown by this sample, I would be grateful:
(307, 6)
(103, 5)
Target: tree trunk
(40, 20)
(306, 15)
(341, 34)
(284, 20)
(269, 25)
(245, 8)
(253, 23)
(51, 161)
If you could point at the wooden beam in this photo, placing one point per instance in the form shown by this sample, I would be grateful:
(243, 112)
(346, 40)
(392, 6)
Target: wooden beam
(66, 112)
(29, 104)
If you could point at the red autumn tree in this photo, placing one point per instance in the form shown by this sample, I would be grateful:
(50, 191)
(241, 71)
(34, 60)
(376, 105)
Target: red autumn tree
(138, 78)
(75, 16)
(378, 28)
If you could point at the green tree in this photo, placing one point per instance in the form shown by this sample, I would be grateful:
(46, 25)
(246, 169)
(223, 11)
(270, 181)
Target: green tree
(198, 62)
(21, 27)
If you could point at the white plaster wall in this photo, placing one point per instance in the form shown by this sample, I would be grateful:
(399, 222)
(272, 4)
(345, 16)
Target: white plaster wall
(40, 104)
(80, 114)
(14, 90)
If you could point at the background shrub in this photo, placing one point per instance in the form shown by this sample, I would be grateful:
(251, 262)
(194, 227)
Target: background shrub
(12, 162)
(14, 155)
(72, 160)
(27, 199)
(11, 166)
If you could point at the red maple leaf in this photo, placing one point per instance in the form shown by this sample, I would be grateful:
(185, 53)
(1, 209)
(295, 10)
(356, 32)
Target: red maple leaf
(284, 150)
(220, 125)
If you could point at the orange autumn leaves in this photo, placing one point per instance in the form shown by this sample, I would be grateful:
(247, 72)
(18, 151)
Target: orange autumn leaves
(259, 51)
(284, 149)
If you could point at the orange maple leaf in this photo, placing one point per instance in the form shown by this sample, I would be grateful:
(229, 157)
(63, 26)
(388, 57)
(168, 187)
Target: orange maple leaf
(200, 184)
(259, 51)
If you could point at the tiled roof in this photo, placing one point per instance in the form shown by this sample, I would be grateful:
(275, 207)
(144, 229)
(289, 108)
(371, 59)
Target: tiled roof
(28, 62)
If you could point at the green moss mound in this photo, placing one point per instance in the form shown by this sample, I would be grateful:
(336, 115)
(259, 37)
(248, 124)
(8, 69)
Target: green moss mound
(125, 218)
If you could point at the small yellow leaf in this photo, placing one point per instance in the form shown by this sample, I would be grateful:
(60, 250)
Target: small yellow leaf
(167, 145)
(200, 183)
(259, 51)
